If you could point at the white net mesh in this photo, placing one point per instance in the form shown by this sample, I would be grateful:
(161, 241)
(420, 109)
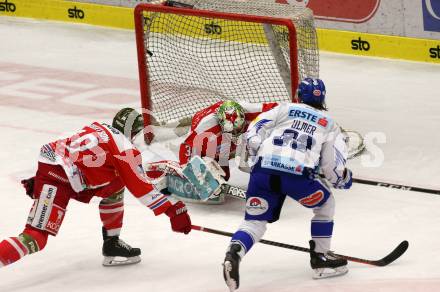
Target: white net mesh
(199, 60)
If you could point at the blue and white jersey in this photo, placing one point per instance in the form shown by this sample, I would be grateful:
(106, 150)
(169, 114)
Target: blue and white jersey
(292, 137)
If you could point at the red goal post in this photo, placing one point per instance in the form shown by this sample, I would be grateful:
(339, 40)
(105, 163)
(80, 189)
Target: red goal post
(190, 58)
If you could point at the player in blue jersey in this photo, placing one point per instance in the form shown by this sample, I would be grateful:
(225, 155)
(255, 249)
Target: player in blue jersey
(290, 145)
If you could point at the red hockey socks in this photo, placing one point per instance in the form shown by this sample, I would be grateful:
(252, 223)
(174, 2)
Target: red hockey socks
(13, 249)
(112, 215)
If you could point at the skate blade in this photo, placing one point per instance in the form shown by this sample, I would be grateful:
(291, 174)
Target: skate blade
(323, 273)
(120, 261)
(231, 283)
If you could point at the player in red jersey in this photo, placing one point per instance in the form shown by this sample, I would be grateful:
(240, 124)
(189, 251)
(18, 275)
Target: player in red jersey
(100, 161)
(215, 131)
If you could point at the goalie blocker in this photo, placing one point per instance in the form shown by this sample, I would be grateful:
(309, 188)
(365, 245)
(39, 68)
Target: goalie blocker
(199, 181)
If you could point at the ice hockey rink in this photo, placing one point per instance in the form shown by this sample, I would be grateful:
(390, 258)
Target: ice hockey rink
(56, 77)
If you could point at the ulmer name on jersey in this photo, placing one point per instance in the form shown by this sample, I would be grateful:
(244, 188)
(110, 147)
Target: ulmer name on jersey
(303, 126)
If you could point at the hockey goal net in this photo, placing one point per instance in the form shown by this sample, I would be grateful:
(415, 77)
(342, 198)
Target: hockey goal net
(192, 54)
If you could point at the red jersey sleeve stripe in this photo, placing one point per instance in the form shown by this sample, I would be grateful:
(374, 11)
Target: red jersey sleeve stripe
(159, 209)
(158, 203)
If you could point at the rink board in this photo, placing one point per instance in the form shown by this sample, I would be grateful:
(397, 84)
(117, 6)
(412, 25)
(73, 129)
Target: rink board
(347, 42)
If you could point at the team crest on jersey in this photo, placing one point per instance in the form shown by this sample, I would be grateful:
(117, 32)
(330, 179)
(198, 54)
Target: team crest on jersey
(313, 199)
(256, 206)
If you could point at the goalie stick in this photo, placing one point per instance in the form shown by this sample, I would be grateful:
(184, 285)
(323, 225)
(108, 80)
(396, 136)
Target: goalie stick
(388, 259)
(233, 191)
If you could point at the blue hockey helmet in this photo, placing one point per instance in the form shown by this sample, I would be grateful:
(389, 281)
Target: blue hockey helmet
(311, 91)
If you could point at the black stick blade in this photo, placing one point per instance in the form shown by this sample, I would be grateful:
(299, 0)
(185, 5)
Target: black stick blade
(391, 257)
(394, 255)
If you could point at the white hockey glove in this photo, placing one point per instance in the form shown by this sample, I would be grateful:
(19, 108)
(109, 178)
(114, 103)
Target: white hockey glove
(346, 181)
(249, 158)
(253, 144)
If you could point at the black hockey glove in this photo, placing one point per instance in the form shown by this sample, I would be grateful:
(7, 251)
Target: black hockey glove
(28, 185)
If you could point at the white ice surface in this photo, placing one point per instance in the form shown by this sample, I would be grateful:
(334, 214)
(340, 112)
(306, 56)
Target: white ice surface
(399, 99)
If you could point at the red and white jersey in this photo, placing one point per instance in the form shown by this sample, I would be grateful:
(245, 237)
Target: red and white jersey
(207, 139)
(101, 158)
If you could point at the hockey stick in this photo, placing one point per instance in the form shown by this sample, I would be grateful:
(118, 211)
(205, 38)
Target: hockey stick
(239, 193)
(395, 186)
(388, 259)
(392, 186)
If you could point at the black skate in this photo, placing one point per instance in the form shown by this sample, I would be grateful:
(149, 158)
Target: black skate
(326, 265)
(117, 253)
(231, 267)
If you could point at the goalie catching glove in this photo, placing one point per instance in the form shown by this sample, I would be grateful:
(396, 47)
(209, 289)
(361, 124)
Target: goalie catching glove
(157, 173)
(179, 218)
(162, 168)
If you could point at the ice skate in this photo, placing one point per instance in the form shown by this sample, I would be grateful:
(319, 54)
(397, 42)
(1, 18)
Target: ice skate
(326, 265)
(118, 253)
(231, 267)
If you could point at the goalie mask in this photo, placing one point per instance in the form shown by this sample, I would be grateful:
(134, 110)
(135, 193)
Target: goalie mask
(311, 91)
(231, 117)
(129, 122)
